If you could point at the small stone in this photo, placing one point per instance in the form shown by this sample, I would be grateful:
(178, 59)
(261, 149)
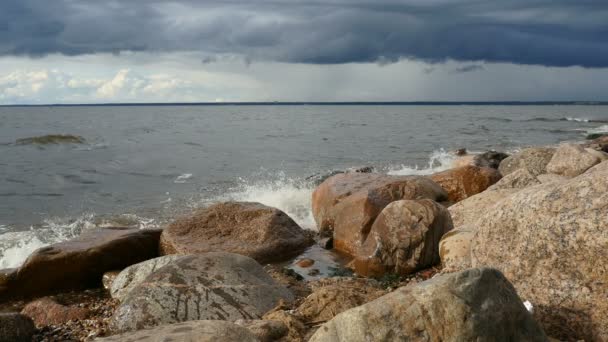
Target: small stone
(305, 263)
(314, 272)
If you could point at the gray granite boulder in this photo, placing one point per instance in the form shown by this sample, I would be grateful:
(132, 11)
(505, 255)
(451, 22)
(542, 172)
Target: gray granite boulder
(534, 159)
(571, 160)
(473, 305)
(213, 286)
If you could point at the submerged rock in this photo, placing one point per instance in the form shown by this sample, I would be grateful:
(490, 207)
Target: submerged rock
(79, 263)
(491, 159)
(200, 331)
(222, 286)
(550, 241)
(571, 160)
(252, 229)
(348, 204)
(474, 305)
(404, 238)
(51, 139)
(534, 160)
(46, 311)
(466, 181)
(16, 327)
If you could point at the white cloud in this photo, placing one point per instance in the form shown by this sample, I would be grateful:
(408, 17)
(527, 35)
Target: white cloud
(109, 89)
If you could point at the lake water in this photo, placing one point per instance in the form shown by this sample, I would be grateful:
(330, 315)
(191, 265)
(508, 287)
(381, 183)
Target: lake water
(144, 165)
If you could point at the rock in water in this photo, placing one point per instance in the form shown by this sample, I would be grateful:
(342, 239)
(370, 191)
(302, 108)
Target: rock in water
(599, 144)
(465, 181)
(474, 305)
(404, 238)
(551, 241)
(534, 160)
(133, 275)
(16, 327)
(571, 160)
(348, 204)
(199, 331)
(79, 263)
(489, 159)
(222, 286)
(252, 229)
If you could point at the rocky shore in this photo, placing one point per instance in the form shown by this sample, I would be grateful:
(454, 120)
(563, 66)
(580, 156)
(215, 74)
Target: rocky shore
(498, 248)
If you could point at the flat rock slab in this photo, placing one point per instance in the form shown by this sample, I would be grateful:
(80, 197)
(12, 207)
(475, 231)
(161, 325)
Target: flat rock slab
(252, 229)
(194, 331)
(215, 286)
(474, 305)
(79, 263)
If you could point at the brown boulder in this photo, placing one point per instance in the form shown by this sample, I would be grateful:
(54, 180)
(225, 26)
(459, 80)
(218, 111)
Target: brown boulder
(348, 204)
(571, 160)
(466, 181)
(404, 238)
(252, 229)
(79, 263)
(46, 311)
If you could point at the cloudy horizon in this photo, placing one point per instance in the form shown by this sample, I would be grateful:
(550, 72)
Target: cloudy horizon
(360, 50)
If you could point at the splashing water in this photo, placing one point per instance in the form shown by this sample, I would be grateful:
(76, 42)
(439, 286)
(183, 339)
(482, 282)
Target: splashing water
(439, 160)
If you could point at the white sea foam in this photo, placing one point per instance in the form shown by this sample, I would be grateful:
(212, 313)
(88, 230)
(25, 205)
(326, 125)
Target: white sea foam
(15, 247)
(182, 178)
(439, 160)
(600, 129)
(577, 119)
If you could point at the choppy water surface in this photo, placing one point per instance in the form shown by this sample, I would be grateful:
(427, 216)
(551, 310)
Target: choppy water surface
(143, 165)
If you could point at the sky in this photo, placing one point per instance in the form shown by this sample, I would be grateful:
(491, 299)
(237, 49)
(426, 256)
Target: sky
(118, 51)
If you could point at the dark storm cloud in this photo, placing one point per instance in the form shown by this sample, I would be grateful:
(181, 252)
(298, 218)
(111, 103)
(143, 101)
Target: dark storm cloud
(541, 32)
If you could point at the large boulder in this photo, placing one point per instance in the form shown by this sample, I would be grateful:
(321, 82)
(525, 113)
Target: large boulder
(404, 238)
(216, 285)
(15, 327)
(534, 159)
(571, 160)
(551, 242)
(455, 249)
(199, 331)
(474, 305)
(252, 229)
(466, 181)
(519, 179)
(468, 211)
(348, 204)
(79, 263)
(133, 275)
(46, 311)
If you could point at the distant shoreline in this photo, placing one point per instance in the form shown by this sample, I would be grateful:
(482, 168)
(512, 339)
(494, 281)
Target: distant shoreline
(413, 103)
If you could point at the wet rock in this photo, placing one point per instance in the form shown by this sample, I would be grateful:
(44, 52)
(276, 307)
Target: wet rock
(305, 263)
(265, 330)
(51, 139)
(550, 241)
(327, 243)
(330, 299)
(108, 278)
(491, 159)
(216, 285)
(461, 152)
(314, 272)
(473, 305)
(16, 327)
(533, 159)
(466, 181)
(252, 229)
(467, 212)
(404, 238)
(79, 263)
(455, 249)
(571, 160)
(599, 143)
(46, 311)
(348, 204)
(133, 275)
(200, 331)
(319, 178)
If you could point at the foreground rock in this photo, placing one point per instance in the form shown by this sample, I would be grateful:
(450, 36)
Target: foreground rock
(218, 285)
(467, 212)
(466, 181)
(550, 241)
(474, 305)
(79, 263)
(46, 311)
(15, 327)
(348, 204)
(252, 229)
(455, 249)
(571, 160)
(200, 331)
(404, 238)
(534, 160)
(133, 275)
